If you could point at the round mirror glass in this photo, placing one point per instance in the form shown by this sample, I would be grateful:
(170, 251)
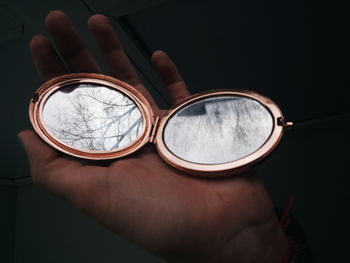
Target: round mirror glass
(218, 129)
(92, 117)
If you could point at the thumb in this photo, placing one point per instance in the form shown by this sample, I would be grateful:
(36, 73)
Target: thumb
(48, 169)
(38, 152)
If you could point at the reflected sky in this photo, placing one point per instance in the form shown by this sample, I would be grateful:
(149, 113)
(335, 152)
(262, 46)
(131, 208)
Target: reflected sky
(218, 129)
(92, 117)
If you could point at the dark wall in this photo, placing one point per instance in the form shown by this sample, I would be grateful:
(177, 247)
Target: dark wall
(8, 195)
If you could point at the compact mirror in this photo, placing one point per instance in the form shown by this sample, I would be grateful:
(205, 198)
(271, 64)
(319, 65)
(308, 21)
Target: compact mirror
(97, 117)
(91, 116)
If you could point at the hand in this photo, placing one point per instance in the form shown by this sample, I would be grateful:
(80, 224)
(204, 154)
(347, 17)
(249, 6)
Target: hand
(173, 215)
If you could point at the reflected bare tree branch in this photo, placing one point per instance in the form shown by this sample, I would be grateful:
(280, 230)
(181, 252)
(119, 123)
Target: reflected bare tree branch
(92, 117)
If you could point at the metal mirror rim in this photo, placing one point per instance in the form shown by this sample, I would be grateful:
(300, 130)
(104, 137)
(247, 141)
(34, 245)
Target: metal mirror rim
(225, 169)
(43, 93)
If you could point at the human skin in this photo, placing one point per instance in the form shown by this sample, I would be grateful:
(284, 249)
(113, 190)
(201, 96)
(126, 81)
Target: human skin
(178, 217)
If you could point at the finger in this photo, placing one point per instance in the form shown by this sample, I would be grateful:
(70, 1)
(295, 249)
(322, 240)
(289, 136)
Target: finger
(112, 50)
(69, 43)
(45, 58)
(170, 76)
(113, 53)
(48, 169)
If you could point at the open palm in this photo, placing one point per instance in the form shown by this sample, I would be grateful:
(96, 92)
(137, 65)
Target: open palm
(171, 214)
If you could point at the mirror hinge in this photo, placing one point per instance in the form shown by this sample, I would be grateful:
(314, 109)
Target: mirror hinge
(154, 131)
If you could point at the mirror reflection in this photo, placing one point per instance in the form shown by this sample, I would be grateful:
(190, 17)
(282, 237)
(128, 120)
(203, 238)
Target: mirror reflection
(92, 117)
(217, 130)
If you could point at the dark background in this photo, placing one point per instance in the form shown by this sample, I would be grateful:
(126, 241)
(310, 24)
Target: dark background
(294, 51)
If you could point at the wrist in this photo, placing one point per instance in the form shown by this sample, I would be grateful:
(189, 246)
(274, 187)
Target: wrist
(263, 243)
(260, 243)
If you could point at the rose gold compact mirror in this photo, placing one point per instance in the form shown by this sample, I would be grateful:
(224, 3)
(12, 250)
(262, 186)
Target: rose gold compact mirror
(97, 117)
